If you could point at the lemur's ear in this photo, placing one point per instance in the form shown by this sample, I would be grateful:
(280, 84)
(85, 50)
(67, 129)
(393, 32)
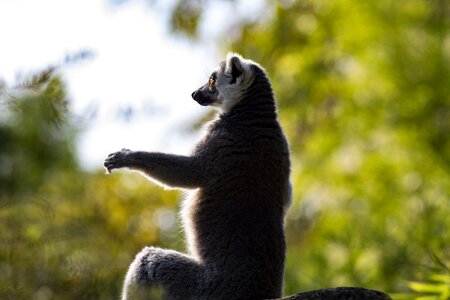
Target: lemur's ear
(234, 66)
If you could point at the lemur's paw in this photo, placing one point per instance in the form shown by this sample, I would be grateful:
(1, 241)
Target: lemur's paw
(116, 160)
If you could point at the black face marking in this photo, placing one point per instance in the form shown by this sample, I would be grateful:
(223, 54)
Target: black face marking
(235, 73)
(207, 94)
(236, 69)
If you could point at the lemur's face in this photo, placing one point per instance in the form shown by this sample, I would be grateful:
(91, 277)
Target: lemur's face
(226, 84)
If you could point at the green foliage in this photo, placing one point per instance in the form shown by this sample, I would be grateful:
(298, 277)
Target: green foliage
(436, 287)
(364, 95)
(363, 90)
(36, 134)
(65, 233)
(76, 236)
(186, 17)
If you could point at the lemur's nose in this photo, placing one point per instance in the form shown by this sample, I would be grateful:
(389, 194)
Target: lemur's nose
(193, 95)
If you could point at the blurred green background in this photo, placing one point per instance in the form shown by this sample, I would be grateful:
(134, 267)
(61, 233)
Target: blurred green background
(364, 96)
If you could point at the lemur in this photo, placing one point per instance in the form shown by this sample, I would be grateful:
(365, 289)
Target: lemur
(238, 175)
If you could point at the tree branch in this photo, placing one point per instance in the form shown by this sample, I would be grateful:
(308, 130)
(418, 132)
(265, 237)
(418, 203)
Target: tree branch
(340, 293)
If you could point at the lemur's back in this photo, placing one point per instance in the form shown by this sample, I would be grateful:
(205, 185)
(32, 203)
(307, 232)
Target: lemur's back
(237, 217)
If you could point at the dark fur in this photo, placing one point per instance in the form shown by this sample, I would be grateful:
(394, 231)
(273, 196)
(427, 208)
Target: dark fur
(235, 221)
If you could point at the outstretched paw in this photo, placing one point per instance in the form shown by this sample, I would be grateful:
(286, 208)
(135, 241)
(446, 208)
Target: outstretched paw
(117, 160)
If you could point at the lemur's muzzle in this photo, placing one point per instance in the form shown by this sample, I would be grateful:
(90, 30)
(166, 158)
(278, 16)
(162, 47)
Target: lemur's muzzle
(195, 95)
(202, 98)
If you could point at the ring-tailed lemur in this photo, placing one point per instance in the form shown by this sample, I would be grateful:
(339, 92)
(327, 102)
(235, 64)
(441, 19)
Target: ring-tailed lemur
(233, 219)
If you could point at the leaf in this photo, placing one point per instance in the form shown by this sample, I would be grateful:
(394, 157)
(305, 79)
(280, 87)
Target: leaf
(422, 287)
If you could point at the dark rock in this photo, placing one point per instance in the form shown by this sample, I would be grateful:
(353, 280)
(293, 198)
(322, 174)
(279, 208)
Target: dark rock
(340, 293)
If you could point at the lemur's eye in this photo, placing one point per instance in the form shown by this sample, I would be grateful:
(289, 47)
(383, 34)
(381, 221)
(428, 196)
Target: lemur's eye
(212, 80)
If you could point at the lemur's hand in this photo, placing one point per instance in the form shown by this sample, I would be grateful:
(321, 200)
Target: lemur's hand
(117, 160)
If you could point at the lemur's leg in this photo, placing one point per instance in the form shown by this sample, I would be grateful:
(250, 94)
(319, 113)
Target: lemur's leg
(172, 170)
(160, 268)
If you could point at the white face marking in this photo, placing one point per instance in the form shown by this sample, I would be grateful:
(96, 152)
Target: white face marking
(230, 92)
(228, 84)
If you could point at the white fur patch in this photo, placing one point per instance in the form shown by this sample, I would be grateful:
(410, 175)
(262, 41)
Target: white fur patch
(245, 63)
(186, 211)
(231, 93)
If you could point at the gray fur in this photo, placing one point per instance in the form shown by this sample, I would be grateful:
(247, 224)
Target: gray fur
(239, 176)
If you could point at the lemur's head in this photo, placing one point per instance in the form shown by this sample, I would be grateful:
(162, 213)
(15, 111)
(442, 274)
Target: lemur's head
(227, 84)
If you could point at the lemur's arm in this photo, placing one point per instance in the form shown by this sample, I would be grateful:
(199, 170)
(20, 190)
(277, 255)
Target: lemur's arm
(172, 170)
